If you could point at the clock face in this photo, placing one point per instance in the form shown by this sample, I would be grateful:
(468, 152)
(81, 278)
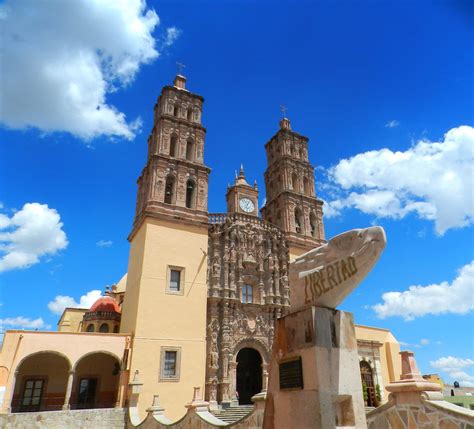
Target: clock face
(246, 205)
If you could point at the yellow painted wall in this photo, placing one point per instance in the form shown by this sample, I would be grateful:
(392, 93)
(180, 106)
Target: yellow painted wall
(71, 320)
(159, 319)
(294, 252)
(18, 345)
(389, 353)
(52, 367)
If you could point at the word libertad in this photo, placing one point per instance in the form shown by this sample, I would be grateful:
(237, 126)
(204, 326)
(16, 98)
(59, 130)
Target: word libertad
(324, 279)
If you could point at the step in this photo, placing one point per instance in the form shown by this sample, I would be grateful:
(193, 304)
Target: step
(233, 413)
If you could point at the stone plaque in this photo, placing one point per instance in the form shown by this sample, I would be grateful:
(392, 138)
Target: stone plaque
(324, 276)
(291, 374)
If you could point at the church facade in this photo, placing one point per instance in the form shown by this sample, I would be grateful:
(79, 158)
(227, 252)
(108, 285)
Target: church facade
(203, 291)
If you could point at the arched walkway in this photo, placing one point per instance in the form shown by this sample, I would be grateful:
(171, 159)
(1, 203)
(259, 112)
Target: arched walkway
(96, 381)
(41, 382)
(249, 374)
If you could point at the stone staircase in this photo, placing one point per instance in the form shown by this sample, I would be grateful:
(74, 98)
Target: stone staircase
(233, 413)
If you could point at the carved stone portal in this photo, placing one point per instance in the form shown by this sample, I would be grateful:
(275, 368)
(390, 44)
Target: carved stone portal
(247, 291)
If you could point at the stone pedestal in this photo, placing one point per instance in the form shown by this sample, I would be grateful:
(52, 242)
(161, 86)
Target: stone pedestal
(314, 379)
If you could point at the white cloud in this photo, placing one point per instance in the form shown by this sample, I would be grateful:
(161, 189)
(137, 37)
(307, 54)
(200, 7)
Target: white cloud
(454, 367)
(392, 124)
(32, 232)
(60, 60)
(60, 302)
(442, 298)
(424, 342)
(172, 33)
(432, 179)
(21, 322)
(104, 243)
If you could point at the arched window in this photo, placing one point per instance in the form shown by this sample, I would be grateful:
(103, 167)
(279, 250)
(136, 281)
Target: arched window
(190, 114)
(90, 328)
(298, 222)
(176, 110)
(190, 186)
(367, 377)
(306, 186)
(169, 190)
(190, 150)
(104, 328)
(247, 294)
(294, 182)
(173, 145)
(312, 222)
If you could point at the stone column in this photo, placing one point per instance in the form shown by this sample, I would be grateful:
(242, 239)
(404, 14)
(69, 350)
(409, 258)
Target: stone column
(123, 377)
(67, 397)
(233, 382)
(264, 377)
(412, 386)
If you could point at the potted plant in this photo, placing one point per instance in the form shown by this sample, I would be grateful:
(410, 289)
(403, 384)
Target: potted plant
(365, 393)
(378, 394)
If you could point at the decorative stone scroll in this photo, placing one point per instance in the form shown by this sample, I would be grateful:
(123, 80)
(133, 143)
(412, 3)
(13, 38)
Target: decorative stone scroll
(323, 277)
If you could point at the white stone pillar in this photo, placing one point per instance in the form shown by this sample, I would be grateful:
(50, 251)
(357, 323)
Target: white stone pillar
(264, 377)
(67, 398)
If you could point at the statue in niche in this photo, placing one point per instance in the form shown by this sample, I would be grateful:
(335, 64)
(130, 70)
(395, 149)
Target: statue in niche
(233, 254)
(284, 280)
(158, 186)
(213, 390)
(214, 357)
(213, 328)
(270, 263)
(216, 267)
(233, 235)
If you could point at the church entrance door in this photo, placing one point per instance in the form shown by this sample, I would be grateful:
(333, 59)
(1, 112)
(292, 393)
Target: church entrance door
(249, 374)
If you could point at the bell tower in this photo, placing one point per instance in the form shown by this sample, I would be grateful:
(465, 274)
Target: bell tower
(242, 197)
(165, 304)
(174, 182)
(291, 199)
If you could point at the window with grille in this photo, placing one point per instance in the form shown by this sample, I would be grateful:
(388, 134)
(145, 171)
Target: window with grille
(32, 394)
(170, 361)
(247, 294)
(86, 393)
(170, 364)
(175, 281)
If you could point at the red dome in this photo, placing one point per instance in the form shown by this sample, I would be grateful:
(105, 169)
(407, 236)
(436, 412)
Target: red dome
(105, 303)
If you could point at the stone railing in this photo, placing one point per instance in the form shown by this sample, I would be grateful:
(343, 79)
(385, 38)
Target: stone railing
(220, 218)
(102, 315)
(217, 218)
(101, 418)
(417, 403)
(197, 416)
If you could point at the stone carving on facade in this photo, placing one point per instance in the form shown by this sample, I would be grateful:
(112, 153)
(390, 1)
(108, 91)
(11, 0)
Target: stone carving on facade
(242, 251)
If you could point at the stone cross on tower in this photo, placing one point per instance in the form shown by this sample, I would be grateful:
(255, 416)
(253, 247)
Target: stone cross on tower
(283, 110)
(180, 67)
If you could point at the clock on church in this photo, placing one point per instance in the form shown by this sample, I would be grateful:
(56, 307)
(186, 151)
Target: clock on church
(246, 205)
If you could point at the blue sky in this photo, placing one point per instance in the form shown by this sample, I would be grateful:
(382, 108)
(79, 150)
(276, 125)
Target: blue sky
(383, 89)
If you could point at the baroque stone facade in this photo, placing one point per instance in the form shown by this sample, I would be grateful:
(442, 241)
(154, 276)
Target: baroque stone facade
(247, 291)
